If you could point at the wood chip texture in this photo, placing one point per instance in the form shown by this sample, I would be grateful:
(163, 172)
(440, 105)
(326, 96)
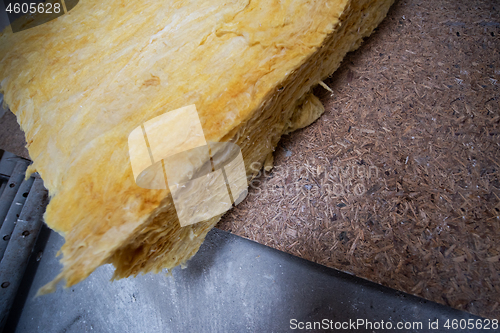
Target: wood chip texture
(398, 182)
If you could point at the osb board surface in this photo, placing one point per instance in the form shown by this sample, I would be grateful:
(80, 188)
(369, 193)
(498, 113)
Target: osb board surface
(398, 182)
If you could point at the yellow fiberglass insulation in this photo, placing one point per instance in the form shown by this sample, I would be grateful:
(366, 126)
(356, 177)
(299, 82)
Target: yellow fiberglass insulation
(81, 83)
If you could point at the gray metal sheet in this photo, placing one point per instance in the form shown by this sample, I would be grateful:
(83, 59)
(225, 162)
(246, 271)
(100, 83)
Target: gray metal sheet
(14, 212)
(7, 163)
(231, 285)
(11, 189)
(20, 246)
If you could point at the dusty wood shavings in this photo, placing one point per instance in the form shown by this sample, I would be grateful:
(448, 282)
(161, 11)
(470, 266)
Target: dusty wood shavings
(399, 181)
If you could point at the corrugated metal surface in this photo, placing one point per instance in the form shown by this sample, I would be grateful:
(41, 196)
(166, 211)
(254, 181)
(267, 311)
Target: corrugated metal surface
(22, 204)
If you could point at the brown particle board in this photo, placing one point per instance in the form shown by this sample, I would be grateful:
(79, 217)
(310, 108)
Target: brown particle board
(398, 182)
